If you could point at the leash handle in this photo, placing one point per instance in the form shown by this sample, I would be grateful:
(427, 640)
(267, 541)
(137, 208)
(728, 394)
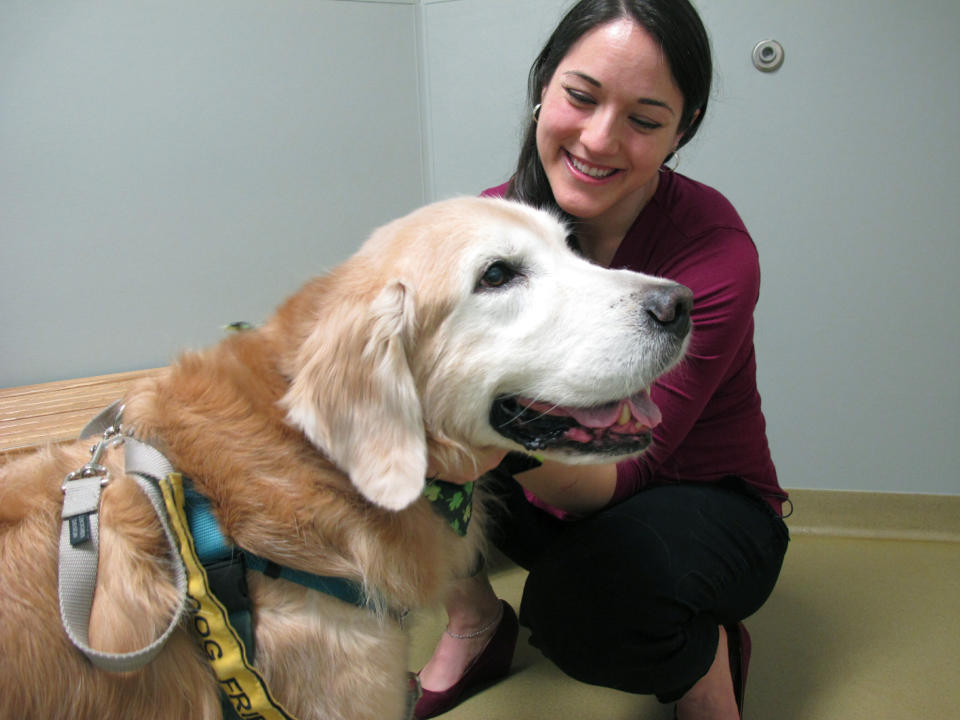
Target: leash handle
(80, 543)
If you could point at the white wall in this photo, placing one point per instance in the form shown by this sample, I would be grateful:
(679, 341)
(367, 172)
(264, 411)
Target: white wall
(846, 168)
(169, 167)
(476, 57)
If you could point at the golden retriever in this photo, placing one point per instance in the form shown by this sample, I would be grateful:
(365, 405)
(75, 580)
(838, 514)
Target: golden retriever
(468, 324)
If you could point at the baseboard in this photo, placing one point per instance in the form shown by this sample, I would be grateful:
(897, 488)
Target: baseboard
(876, 515)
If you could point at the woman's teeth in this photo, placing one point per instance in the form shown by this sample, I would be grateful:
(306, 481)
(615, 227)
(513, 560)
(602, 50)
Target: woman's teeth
(593, 172)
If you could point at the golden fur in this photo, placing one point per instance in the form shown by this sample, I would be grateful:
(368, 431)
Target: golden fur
(311, 437)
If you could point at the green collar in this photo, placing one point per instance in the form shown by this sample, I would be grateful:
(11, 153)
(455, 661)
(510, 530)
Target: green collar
(454, 503)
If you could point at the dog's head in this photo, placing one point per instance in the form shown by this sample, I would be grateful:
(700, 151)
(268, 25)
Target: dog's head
(470, 323)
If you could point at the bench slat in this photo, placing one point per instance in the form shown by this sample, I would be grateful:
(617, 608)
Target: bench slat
(32, 415)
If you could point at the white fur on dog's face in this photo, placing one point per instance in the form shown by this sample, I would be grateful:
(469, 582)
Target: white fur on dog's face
(559, 330)
(448, 311)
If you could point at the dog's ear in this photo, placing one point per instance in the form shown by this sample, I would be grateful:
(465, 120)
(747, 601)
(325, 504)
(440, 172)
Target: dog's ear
(355, 397)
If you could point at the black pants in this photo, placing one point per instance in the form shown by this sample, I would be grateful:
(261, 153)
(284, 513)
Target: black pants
(632, 597)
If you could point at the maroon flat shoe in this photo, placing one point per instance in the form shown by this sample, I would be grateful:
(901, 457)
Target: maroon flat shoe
(492, 664)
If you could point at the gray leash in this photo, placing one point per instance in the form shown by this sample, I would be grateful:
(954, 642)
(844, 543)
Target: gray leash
(80, 538)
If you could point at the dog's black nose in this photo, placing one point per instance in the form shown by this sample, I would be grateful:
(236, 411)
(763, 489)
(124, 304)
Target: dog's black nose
(670, 307)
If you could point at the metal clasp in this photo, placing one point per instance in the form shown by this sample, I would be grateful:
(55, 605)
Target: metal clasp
(112, 436)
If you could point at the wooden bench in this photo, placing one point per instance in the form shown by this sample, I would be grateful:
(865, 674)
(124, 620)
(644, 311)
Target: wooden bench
(32, 415)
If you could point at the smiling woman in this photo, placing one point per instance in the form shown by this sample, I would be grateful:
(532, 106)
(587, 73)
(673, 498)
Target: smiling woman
(615, 549)
(609, 116)
(674, 56)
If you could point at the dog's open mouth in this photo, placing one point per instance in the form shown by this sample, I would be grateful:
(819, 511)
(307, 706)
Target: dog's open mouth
(620, 427)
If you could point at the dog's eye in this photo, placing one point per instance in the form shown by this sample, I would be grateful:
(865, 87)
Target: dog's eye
(497, 275)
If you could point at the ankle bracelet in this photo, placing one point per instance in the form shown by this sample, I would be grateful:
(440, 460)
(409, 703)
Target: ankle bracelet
(477, 633)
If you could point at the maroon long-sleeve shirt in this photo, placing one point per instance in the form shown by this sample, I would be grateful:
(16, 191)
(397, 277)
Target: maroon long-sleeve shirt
(713, 426)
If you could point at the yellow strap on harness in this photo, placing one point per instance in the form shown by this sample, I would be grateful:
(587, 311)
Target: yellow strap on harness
(239, 681)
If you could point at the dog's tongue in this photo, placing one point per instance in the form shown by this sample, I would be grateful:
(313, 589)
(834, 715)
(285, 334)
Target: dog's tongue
(645, 410)
(638, 407)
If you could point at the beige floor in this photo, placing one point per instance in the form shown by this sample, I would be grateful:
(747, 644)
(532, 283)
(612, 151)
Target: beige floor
(858, 629)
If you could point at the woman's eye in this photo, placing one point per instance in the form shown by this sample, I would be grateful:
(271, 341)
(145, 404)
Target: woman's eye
(578, 97)
(645, 124)
(497, 275)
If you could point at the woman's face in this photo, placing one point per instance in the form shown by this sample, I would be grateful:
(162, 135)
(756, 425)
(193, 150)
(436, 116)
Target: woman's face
(609, 117)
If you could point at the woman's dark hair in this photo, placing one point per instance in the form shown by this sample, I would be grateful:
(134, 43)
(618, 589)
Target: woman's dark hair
(676, 27)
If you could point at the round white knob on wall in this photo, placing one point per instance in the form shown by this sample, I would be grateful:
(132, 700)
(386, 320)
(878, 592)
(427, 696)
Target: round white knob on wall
(768, 55)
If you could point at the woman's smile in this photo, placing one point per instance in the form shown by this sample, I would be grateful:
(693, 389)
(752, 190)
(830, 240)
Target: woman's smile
(580, 167)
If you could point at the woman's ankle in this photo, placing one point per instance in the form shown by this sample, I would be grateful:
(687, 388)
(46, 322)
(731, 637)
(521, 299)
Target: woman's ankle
(471, 605)
(473, 613)
(712, 697)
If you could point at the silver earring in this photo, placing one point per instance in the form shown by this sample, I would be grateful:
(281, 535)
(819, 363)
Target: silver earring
(675, 157)
(536, 112)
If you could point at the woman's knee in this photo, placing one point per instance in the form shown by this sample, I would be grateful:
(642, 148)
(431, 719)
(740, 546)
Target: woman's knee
(603, 635)
(602, 584)
(631, 598)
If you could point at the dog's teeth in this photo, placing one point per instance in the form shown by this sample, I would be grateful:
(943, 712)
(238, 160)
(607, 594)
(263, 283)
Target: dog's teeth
(624, 415)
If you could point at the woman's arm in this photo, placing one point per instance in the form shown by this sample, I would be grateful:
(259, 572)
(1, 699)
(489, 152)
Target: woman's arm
(723, 312)
(576, 489)
(725, 278)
